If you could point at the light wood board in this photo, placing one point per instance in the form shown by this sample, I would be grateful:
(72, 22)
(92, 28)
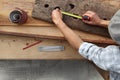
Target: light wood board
(51, 33)
(11, 48)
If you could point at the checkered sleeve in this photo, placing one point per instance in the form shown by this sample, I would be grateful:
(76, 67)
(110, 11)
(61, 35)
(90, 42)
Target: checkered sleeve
(106, 58)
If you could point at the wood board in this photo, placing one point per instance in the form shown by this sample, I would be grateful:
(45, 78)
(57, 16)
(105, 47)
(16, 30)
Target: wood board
(11, 48)
(43, 9)
(45, 30)
(51, 33)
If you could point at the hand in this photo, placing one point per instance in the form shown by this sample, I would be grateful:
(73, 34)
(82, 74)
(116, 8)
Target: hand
(56, 16)
(94, 18)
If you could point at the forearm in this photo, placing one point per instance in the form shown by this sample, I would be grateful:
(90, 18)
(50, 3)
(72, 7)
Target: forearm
(105, 58)
(69, 34)
(104, 23)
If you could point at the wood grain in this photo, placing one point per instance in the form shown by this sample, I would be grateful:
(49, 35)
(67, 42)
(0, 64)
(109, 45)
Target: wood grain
(11, 48)
(79, 7)
(40, 29)
(51, 33)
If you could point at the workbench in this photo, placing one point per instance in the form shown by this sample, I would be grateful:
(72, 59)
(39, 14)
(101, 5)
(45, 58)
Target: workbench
(37, 29)
(11, 47)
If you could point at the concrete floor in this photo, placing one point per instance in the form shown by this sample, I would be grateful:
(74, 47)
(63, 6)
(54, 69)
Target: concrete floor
(48, 70)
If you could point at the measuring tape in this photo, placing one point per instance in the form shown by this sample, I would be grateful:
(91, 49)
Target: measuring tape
(18, 16)
(76, 16)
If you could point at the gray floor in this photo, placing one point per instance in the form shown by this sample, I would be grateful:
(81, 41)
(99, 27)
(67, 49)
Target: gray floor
(48, 70)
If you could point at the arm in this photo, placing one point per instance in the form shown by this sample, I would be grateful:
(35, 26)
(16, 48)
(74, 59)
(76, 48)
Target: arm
(95, 19)
(104, 23)
(72, 38)
(106, 58)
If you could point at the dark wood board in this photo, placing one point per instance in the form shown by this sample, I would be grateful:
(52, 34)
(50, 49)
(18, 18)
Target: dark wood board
(104, 8)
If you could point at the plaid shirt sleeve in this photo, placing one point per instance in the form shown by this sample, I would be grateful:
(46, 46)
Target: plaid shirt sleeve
(106, 58)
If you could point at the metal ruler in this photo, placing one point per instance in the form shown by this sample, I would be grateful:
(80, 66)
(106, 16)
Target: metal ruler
(51, 48)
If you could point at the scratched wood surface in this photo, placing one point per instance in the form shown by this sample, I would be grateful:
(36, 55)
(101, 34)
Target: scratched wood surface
(45, 30)
(11, 48)
(43, 8)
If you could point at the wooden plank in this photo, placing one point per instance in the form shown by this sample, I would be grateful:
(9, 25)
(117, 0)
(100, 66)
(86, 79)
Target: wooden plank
(51, 33)
(77, 7)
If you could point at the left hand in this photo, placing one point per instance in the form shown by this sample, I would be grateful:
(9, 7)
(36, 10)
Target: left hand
(56, 16)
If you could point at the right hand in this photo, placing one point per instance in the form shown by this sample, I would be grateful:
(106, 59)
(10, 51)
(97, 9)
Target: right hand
(94, 18)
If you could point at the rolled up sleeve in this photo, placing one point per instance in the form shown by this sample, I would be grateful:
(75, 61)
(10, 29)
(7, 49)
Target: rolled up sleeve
(106, 58)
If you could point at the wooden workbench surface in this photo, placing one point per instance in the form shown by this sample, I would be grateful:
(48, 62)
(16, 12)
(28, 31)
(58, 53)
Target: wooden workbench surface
(11, 47)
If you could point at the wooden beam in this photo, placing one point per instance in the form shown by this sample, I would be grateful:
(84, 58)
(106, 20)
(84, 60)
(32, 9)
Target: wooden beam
(51, 33)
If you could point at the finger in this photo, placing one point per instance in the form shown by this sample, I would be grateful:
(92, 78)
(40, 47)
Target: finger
(87, 17)
(90, 12)
(88, 22)
(59, 10)
(86, 14)
(55, 11)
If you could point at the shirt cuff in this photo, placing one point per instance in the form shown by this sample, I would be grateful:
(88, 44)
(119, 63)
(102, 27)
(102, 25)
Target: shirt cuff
(83, 49)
